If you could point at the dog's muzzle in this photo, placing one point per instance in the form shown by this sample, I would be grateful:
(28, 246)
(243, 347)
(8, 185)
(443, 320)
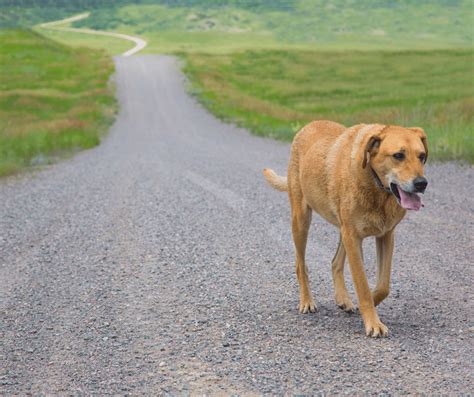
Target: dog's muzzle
(410, 200)
(420, 184)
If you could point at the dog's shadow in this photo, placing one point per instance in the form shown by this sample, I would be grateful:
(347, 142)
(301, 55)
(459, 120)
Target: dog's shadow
(407, 320)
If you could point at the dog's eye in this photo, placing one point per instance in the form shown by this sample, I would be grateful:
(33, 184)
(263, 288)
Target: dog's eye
(399, 156)
(422, 157)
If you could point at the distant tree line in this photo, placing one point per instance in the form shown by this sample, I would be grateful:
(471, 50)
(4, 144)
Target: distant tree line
(30, 12)
(26, 13)
(91, 4)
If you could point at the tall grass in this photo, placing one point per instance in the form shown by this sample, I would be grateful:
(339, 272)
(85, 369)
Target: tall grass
(274, 93)
(53, 99)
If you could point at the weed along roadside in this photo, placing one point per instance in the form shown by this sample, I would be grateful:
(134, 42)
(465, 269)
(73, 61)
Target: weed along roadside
(53, 99)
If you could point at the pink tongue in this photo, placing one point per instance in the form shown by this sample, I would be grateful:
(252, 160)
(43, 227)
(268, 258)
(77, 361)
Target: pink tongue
(409, 201)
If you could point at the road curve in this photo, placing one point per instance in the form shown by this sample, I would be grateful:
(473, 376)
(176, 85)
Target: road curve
(140, 44)
(161, 263)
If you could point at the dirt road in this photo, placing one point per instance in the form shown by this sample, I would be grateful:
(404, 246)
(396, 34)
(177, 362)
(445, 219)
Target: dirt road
(161, 262)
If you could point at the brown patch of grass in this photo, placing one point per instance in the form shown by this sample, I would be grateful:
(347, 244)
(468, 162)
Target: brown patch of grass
(40, 92)
(247, 102)
(50, 126)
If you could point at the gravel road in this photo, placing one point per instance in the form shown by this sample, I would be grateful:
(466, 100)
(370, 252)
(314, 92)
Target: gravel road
(160, 262)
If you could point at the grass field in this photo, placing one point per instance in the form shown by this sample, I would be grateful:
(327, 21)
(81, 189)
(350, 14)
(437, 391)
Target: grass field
(113, 46)
(274, 93)
(52, 99)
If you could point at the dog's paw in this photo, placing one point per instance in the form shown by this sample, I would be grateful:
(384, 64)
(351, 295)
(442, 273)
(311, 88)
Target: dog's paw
(344, 302)
(376, 329)
(307, 305)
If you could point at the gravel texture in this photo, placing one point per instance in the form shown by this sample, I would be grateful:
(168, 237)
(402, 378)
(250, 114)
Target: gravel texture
(160, 262)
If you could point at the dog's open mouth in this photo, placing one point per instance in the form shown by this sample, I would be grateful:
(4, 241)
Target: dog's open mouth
(407, 200)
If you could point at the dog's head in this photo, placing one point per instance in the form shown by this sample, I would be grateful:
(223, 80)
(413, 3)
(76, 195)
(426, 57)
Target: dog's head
(397, 156)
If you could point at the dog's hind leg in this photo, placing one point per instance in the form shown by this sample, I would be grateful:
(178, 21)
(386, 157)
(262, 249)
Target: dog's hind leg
(300, 222)
(384, 266)
(343, 299)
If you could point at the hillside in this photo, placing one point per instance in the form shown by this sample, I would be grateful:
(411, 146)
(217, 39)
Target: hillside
(315, 23)
(318, 23)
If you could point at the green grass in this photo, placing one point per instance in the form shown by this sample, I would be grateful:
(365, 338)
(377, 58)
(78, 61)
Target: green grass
(52, 99)
(173, 42)
(274, 93)
(112, 45)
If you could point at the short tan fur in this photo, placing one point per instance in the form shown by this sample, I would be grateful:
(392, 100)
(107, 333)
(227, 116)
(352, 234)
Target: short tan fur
(345, 175)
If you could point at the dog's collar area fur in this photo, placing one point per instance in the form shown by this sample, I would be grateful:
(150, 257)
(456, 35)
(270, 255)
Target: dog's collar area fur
(379, 183)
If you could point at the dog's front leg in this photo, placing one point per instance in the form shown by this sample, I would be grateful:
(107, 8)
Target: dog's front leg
(384, 266)
(353, 244)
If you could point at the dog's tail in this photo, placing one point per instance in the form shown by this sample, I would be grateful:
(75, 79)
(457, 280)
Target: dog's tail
(276, 181)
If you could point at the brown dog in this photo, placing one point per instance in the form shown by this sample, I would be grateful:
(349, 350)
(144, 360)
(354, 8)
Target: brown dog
(361, 179)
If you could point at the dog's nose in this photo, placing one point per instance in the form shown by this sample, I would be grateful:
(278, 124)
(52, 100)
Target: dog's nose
(420, 183)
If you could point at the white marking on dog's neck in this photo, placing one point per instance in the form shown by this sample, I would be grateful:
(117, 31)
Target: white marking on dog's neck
(331, 158)
(361, 134)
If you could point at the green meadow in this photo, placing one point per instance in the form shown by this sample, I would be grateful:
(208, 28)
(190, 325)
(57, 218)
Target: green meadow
(274, 93)
(53, 99)
(112, 45)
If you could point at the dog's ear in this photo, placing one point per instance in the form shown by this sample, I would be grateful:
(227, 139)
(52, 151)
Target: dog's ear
(422, 134)
(372, 144)
(367, 138)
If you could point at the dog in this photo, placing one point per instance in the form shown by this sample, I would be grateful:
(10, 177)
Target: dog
(362, 179)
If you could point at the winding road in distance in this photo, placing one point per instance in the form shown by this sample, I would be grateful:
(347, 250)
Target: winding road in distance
(160, 262)
(140, 44)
